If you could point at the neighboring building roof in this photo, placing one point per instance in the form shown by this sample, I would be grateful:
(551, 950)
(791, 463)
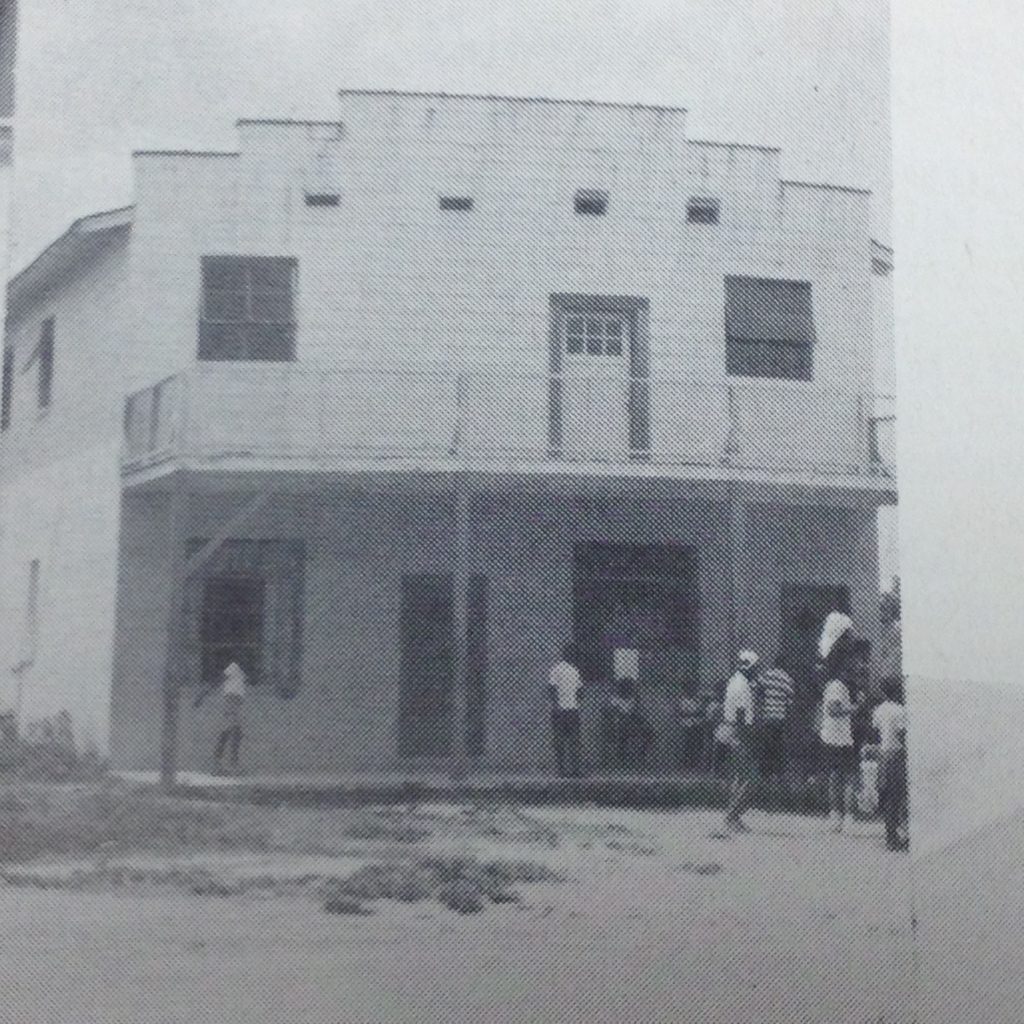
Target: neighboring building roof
(83, 239)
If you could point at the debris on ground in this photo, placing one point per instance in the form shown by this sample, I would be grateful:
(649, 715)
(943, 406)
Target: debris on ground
(462, 883)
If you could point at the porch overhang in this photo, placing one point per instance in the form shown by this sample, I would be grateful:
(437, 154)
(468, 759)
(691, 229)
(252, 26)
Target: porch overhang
(637, 481)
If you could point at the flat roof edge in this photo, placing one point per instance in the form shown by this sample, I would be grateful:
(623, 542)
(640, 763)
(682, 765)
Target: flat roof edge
(186, 152)
(825, 185)
(286, 121)
(492, 97)
(734, 145)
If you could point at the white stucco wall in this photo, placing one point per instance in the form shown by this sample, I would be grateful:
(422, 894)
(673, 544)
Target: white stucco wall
(60, 496)
(65, 515)
(387, 277)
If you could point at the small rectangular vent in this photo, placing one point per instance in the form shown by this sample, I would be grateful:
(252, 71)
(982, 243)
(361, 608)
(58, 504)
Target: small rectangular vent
(322, 199)
(463, 203)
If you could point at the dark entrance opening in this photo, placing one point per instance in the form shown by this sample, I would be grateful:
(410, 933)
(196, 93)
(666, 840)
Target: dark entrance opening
(637, 597)
(803, 609)
(427, 671)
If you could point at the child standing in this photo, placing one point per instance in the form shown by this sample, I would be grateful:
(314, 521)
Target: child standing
(889, 722)
(232, 690)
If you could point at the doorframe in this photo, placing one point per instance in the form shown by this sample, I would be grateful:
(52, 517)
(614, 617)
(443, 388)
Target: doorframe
(638, 413)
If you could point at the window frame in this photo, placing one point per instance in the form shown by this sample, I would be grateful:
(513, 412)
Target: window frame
(248, 324)
(798, 364)
(281, 565)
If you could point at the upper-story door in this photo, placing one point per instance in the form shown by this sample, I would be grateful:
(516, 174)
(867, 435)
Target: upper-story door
(595, 371)
(599, 371)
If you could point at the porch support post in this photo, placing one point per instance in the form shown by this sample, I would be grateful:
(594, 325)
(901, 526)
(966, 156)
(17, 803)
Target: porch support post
(460, 624)
(172, 657)
(216, 542)
(737, 552)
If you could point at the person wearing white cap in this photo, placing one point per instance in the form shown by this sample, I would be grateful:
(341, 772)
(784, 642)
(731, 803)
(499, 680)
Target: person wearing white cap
(737, 733)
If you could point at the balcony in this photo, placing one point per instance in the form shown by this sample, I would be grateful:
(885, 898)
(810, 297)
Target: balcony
(265, 416)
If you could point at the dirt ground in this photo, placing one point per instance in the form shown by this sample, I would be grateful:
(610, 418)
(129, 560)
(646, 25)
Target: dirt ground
(970, 908)
(654, 921)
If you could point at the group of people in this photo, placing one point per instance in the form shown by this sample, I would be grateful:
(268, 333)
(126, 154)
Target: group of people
(753, 728)
(848, 728)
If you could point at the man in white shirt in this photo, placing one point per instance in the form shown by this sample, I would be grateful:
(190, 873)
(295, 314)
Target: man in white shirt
(564, 686)
(232, 690)
(737, 733)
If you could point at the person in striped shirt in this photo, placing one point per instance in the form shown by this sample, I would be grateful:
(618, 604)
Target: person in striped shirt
(775, 693)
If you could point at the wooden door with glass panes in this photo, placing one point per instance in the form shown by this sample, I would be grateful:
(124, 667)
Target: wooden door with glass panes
(595, 389)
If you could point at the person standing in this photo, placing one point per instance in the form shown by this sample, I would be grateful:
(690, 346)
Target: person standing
(776, 692)
(564, 686)
(737, 732)
(889, 722)
(233, 685)
(836, 735)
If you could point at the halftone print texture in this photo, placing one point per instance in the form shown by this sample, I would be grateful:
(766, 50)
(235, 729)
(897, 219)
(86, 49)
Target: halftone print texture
(388, 496)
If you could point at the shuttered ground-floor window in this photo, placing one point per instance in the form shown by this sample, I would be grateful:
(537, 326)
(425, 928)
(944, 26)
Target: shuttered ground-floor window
(246, 605)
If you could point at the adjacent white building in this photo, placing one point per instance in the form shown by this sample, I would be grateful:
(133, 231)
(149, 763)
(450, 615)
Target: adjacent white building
(410, 397)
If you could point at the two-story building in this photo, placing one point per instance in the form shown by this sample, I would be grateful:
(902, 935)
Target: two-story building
(389, 407)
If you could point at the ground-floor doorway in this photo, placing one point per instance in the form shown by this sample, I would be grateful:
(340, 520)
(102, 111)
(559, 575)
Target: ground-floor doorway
(427, 665)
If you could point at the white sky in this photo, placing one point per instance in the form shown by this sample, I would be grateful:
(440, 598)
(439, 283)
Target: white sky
(959, 235)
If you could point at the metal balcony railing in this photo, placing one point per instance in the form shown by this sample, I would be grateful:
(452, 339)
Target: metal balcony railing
(504, 415)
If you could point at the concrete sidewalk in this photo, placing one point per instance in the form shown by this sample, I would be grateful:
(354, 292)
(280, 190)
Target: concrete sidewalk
(695, 790)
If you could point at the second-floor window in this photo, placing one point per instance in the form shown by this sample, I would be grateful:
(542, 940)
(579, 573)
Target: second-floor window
(248, 308)
(769, 328)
